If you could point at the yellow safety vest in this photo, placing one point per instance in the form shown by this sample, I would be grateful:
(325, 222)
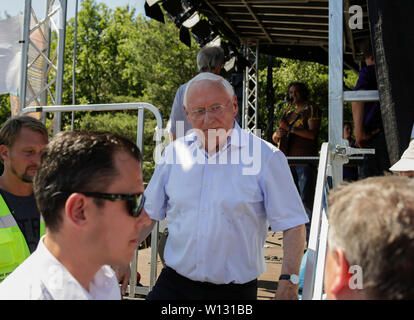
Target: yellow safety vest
(13, 247)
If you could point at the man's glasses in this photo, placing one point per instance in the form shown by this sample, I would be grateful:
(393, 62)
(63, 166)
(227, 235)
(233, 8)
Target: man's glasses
(135, 202)
(199, 114)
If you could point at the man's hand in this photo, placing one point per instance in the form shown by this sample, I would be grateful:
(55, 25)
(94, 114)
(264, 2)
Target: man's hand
(293, 245)
(286, 291)
(123, 273)
(281, 133)
(361, 137)
(284, 125)
(278, 135)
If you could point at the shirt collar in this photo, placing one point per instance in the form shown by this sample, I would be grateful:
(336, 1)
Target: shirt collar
(238, 137)
(63, 286)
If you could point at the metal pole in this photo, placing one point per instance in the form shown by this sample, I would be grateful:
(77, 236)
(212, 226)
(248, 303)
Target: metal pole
(25, 50)
(74, 64)
(245, 84)
(336, 97)
(270, 96)
(256, 91)
(60, 64)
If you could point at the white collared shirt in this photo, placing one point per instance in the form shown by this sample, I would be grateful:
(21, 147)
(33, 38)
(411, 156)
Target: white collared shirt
(218, 206)
(42, 277)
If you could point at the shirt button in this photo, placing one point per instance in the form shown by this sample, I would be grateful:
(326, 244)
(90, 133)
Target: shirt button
(203, 210)
(201, 236)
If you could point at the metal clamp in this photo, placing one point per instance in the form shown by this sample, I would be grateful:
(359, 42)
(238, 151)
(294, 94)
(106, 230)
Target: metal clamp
(345, 151)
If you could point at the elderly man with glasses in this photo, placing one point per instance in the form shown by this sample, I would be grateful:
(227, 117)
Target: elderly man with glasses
(89, 190)
(219, 187)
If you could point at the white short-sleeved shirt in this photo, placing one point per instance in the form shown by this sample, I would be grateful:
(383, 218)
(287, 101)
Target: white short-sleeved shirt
(218, 206)
(42, 277)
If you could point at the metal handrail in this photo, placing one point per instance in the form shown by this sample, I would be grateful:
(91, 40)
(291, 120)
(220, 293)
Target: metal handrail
(313, 270)
(141, 107)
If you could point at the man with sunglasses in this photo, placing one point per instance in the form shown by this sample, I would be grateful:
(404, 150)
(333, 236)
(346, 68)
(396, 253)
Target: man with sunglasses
(89, 190)
(218, 208)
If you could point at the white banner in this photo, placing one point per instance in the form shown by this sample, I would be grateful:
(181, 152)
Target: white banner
(10, 54)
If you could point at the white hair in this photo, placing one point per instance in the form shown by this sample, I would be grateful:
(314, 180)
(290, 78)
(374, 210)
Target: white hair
(208, 76)
(209, 58)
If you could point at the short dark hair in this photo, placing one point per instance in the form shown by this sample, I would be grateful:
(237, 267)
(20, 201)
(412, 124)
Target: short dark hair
(348, 123)
(76, 161)
(303, 88)
(11, 128)
(365, 48)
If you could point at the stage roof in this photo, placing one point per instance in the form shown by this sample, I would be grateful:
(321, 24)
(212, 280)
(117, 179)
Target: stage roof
(292, 29)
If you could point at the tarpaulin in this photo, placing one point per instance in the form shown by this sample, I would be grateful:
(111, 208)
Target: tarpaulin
(10, 54)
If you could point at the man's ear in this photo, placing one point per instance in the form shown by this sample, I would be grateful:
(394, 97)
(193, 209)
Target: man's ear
(340, 282)
(75, 209)
(235, 105)
(4, 152)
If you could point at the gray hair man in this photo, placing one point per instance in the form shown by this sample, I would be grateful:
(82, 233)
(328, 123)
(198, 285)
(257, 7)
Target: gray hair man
(209, 59)
(218, 211)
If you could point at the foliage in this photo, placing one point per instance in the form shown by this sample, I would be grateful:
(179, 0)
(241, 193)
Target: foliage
(4, 107)
(99, 68)
(159, 61)
(125, 124)
(120, 55)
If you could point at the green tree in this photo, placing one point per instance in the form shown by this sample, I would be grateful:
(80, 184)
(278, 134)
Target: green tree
(125, 124)
(159, 60)
(124, 58)
(92, 65)
(5, 112)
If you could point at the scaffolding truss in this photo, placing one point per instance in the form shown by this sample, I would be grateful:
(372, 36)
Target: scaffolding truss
(42, 72)
(250, 87)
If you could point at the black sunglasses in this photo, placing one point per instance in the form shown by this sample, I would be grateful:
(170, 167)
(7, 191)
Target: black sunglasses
(135, 202)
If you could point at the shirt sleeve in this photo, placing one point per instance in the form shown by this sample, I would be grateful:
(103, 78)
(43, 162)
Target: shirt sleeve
(155, 196)
(315, 113)
(283, 205)
(363, 80)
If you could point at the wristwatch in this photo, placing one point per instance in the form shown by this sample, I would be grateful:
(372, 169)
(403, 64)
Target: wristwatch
(294, 278)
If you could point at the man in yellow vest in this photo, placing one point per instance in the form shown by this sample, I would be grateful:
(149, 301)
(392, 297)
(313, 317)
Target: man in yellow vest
(21, 141)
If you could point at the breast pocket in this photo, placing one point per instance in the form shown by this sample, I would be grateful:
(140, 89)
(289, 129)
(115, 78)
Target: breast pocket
(245, 191)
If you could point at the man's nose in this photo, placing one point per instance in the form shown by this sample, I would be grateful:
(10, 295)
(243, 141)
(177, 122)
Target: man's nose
(143, 220)
(36, 158)
(208, 117)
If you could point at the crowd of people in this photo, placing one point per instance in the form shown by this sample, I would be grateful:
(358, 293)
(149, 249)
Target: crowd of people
(74, 209)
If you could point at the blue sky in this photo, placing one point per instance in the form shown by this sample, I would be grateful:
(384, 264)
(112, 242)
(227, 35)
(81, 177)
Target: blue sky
(15, 7)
